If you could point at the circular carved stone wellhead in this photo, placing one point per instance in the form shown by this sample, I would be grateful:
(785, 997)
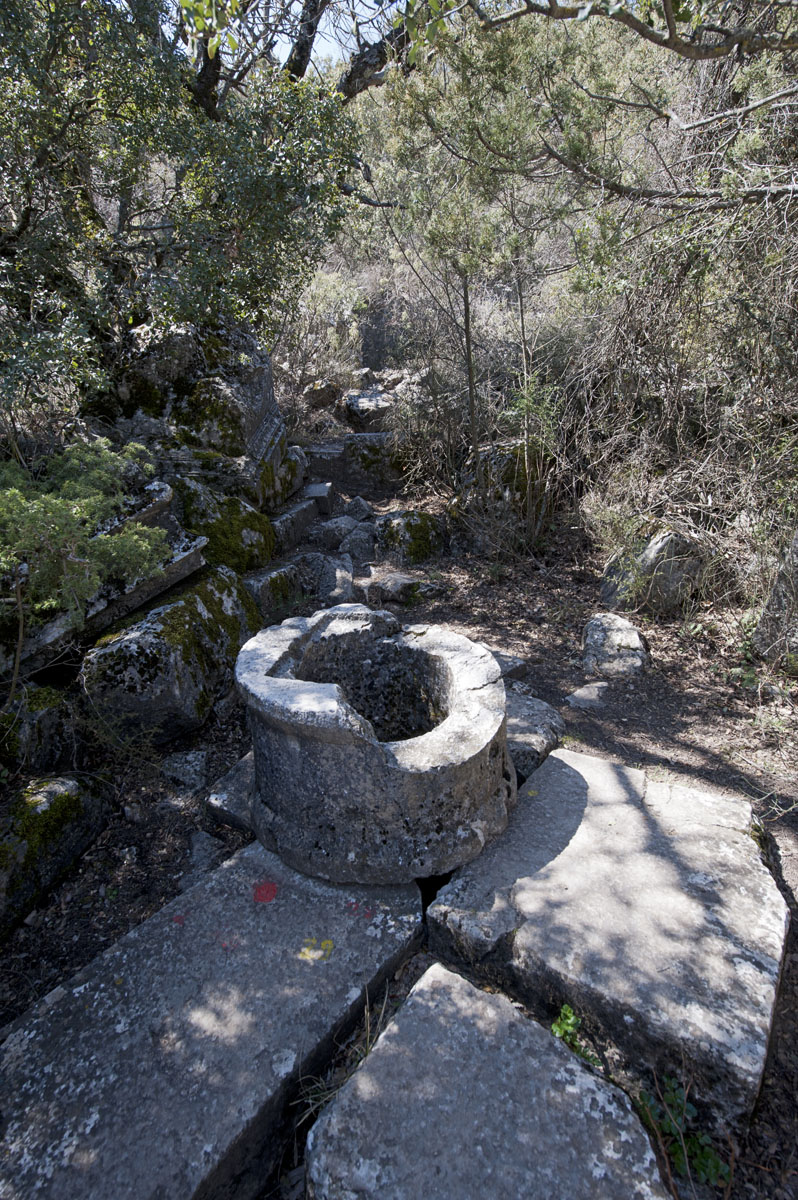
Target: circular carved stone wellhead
(380, 750)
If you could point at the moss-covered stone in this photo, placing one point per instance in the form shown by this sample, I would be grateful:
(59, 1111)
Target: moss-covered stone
(411, 537)
(48, 826)
(209, 417)
(163, 673)
(238, 535)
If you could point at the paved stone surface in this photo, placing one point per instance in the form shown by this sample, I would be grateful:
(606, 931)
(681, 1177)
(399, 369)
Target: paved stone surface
(164, 1072)
(613, 646)
(230, 799)
(534, 729)
(464, 1097)
(648, 910)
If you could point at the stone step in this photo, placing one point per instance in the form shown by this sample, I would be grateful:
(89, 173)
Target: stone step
(323, 496)
(291, 525)
(646, 908)
(463, 1096)
(166, 1069)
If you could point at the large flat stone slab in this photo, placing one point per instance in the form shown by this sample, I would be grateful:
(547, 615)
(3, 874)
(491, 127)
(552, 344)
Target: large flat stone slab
(463, 1096)
(164, 1072)
(646, 908)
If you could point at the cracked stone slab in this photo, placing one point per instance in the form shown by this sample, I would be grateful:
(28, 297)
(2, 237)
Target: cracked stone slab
(166, 1069)
(492, 1105)
(646, 908)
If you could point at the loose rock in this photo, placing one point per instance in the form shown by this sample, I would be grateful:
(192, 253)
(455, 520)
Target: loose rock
(612, 646)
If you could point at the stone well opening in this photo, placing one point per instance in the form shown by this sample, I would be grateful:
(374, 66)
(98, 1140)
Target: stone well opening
(402, 692)
(380, 750)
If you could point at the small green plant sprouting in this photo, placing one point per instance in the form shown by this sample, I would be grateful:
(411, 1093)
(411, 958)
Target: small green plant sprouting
(566, 1028)
(669, 1115)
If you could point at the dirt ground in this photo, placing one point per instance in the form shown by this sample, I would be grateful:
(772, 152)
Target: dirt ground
(700, 713)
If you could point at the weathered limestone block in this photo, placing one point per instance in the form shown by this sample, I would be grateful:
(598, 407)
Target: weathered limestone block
(644, 906)
(489, 1104)
(410, 537)
(170, 1067)
(360, 463)
(360, 509)
(164, 673)
(369, 411)
(330, 534)
(534, 729)
(613, 646)
(776, 634)
(230, 799)
(380, 752)
(238, 536)
(37, 730)
(382, 586)
(325, 577)
(659, 580)
(291, 525)
(273, 590)
(360, 543)
(322, 494)
(321, 394)
(46, 830)
(211, 391)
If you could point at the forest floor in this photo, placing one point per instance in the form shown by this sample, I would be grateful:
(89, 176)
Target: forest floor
(700, 713)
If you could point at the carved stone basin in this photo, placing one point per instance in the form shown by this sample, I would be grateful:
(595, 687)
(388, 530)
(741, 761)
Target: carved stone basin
(380, 751)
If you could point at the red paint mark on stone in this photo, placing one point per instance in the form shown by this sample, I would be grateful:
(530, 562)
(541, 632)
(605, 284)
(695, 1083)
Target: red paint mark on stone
(264, 892)
(179, 919)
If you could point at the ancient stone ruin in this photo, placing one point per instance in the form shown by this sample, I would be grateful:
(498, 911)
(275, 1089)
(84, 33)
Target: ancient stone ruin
(380, 751)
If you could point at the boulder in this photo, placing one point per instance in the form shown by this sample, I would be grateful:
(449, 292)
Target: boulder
(394, 587)
(776, 634)
(410, 537)
(163, 674)
(659, 580)
(291, 526)
(206, 397)
(612, 646)
(45, 831)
